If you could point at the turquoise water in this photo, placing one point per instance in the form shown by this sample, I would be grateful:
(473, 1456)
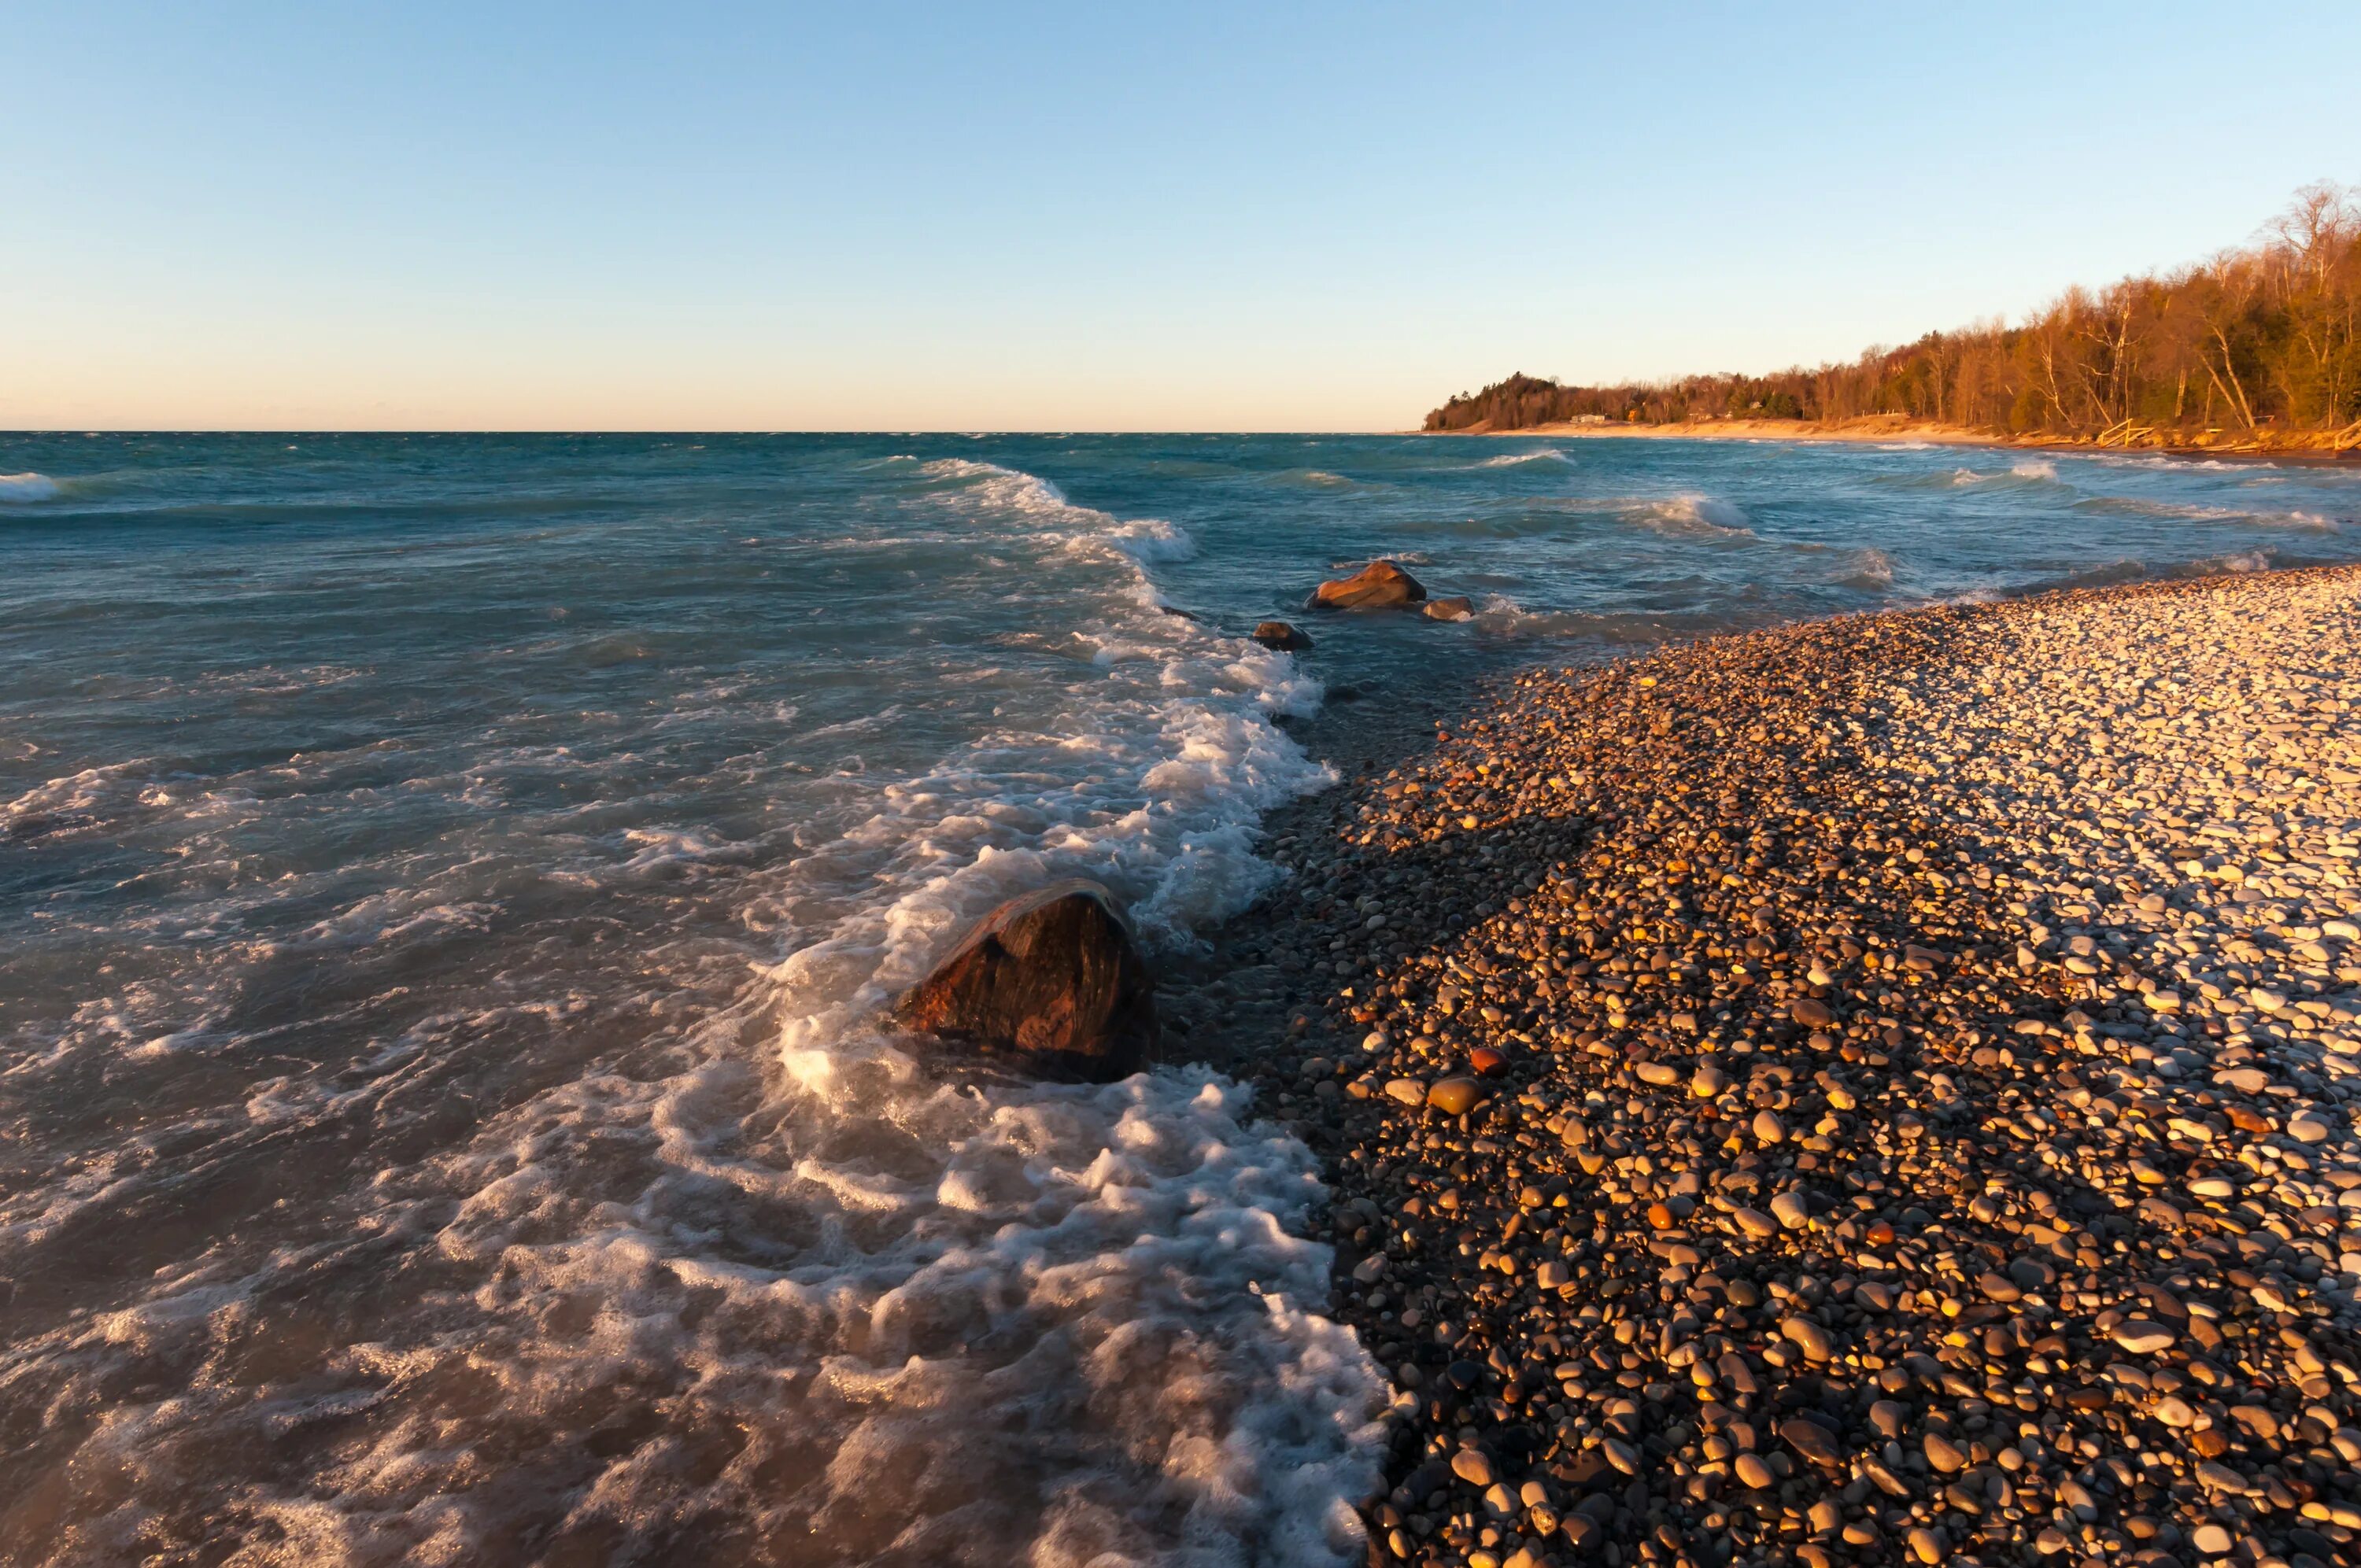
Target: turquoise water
(451, 883)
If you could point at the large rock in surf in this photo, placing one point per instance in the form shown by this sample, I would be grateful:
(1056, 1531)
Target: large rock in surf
(1052, 978)
(1380, 584)
(1282, 635)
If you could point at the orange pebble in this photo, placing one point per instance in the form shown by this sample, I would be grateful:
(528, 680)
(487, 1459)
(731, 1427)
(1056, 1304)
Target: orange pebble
(1486, 1060)
(1659, 1216)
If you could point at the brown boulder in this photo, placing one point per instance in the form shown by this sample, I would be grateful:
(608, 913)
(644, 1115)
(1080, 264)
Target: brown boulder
(1454, 608)
(1052, 978)
(1380, 584)
(1279, 634)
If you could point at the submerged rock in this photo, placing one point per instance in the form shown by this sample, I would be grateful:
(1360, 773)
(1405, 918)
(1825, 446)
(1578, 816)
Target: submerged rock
(1456, 607)
(1053, 978)
(1281, 635)
(1380, 584)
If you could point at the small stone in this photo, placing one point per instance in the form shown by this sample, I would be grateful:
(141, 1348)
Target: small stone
(1790, 1211)
(1409, 1090)
(2031, 1273)
(1807, 1336)
(2211, 1539)
(1708, 1082)
(1927, 1546)
(1944, 1454)
(2142, 1336)
(2258, 1420)
(1756, 1223)
(2219, 1477)
(1768, 1128)
(1888, 1418)
(1752, 1472)
(1451, 607)
(1281, 635)
(1621, 1455)
(1811, 1013)
(1812, 1441)
(1455, 1096)
(1470, 1465)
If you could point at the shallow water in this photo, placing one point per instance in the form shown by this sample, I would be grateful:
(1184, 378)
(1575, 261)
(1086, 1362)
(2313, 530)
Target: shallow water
(451, 883)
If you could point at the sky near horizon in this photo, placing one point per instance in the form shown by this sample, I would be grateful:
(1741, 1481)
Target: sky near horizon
(1081, 218)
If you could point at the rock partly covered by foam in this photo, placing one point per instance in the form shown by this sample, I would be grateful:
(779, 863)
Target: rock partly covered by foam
(1282, 635)
(1380, 584)
(1456, 607)
(1053, 978)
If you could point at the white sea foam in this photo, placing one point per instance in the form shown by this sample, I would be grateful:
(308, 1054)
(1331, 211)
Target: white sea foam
(1872, 569)
(1102, 1241)
(19, 489)
(887, 1315)
(1691, 516)
(1152, 541)
(1515, 459)
(2036, 468)
(2309, 521)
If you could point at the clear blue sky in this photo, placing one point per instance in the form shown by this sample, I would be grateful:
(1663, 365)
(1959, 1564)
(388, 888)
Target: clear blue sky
(1089, 216)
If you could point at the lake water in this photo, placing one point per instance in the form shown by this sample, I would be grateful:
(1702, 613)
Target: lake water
(449, 885)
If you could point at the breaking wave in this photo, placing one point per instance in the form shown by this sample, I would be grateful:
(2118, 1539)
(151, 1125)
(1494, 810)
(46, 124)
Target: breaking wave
(1872, 569)
(1692, 516)
(23, 488)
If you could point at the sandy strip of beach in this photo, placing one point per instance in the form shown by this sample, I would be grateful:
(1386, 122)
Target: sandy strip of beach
(1901, 429)
(1874, 1091)
(1876, 428)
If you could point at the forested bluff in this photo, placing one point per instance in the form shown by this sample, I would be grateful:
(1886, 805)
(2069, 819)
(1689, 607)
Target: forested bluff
(2257, 348)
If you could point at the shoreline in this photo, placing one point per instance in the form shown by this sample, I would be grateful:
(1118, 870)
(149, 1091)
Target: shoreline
(1875, 428)
(1781, 1101)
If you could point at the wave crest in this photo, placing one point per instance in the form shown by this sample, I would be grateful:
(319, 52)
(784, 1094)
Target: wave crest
(1693, 517)
(24, 488)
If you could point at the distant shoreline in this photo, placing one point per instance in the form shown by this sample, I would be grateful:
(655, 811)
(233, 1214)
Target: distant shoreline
(1877, 429)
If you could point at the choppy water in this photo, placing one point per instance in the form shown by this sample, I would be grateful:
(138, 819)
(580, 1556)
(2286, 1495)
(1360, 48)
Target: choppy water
(449, 885)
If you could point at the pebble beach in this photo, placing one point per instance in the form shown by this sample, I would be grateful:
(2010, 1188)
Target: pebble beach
(1871, 1090)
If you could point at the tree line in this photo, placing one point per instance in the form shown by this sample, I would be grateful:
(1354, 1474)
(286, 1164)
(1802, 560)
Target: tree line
(2258, 345)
